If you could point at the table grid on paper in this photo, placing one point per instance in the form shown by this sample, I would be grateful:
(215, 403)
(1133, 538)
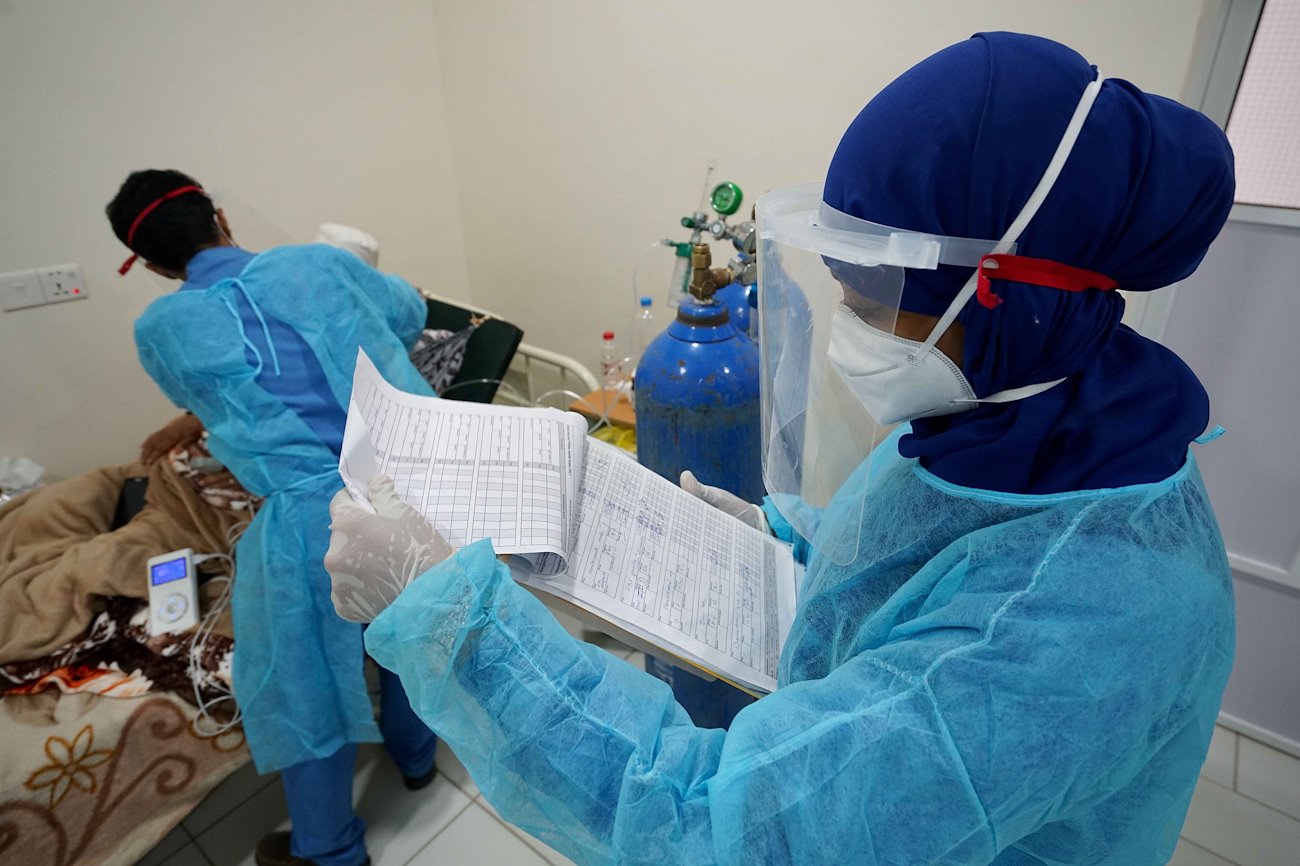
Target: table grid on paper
(472, 476)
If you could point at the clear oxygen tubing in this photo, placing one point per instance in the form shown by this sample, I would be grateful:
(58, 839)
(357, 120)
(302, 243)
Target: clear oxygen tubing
(601, 412)
(500, 383)
(602, 415)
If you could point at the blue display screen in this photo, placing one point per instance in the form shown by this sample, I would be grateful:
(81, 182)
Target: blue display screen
(166, 572)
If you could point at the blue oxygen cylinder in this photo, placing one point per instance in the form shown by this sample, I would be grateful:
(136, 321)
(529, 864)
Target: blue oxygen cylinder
(697, 403)
(735, 297)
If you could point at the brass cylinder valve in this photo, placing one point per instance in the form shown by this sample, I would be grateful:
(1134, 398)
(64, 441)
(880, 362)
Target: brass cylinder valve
(705, 279)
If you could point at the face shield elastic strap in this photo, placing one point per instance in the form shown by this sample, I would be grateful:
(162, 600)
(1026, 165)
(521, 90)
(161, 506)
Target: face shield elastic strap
(135, 224)
(1017, 227)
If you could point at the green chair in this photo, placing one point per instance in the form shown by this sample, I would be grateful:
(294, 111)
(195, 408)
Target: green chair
(487, 356)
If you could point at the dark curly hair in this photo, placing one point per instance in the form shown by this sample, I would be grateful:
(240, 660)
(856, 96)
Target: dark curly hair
(171, 235)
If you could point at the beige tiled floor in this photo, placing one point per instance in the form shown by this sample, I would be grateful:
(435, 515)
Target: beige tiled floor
(446, 824)
(1245, 813)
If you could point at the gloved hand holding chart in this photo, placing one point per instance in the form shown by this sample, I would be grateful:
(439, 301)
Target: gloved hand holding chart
(585, 522)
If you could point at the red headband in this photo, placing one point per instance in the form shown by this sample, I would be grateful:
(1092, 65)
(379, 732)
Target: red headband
(135, 224)
(1038, 272)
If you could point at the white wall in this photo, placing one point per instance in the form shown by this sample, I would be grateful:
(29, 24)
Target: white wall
(574, 133)
(296, 111)
(581, 128)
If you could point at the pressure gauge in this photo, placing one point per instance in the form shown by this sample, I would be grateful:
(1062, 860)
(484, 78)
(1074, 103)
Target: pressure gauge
(726, 198)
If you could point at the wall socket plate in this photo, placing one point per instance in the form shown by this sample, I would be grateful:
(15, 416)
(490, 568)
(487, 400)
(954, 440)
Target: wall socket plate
(21, 289)
(62, 283)
(36, 288)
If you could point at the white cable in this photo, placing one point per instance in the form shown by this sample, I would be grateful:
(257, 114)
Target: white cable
(501, 384)
(603, 414)
(206, 723)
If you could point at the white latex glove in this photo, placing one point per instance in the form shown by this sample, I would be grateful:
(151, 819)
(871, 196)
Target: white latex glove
(726, 501)
(372, 557)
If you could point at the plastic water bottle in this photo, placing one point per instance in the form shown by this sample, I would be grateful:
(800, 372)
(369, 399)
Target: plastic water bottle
(645, 326)
(610, 362)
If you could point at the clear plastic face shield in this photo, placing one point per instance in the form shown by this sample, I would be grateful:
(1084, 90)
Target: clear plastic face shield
(830, 287)
(823, 277)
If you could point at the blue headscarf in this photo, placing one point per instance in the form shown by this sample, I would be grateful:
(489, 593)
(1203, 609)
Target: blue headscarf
(955, 146)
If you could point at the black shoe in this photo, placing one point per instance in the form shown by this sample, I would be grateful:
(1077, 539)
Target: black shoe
(415, 783)
(273, 850)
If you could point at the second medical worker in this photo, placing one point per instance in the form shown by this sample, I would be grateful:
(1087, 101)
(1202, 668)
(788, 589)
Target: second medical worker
(261, 349)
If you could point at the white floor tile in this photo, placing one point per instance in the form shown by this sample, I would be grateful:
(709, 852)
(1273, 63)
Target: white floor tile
(234, 790)
(1187, 854)
(549, 854)
(451, 767)
(1239, 829)
(190, 855)
(476, 838)
(1221, 763)
(1270, 776)
(233, 839)
(401, 822)
(166, 847)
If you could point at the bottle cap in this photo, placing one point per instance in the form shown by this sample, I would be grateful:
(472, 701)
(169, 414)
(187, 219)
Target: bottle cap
(608, 335)
(645, 302)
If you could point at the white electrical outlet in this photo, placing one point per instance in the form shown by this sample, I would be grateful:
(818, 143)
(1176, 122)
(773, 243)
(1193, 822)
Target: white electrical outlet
(20, 289)
(62, 283)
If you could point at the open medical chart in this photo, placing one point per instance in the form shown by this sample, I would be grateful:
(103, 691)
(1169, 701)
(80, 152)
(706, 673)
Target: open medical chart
(586, 522)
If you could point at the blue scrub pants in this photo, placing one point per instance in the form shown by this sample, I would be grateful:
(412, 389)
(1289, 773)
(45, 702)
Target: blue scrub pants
(710, 704)
(325, 829)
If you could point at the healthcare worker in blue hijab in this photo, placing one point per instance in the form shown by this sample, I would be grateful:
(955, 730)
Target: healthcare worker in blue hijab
(1016, 622)
(261, 349)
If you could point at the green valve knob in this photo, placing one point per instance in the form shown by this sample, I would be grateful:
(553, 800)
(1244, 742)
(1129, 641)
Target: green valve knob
(688, 223)
(726, 198)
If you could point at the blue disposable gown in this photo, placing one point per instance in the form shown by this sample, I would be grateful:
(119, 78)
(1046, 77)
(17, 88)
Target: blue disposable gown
(999, 678)
(298, 672)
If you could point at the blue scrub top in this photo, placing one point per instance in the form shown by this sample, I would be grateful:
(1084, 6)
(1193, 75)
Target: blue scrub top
(301, 383)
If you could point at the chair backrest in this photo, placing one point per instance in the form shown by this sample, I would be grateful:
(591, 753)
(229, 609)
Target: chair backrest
(487, 357)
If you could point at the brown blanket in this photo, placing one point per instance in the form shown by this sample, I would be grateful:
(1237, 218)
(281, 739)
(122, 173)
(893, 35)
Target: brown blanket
(58, 561)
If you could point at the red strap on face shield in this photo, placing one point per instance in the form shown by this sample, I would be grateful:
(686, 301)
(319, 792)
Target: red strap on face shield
(135, 224)
(1037, 272)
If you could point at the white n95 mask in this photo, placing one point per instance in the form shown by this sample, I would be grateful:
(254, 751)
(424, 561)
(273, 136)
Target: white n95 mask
(897, 379)
(894, 378)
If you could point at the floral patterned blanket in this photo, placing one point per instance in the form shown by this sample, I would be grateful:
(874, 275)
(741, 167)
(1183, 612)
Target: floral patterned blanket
(88, 780)
(101, 756)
